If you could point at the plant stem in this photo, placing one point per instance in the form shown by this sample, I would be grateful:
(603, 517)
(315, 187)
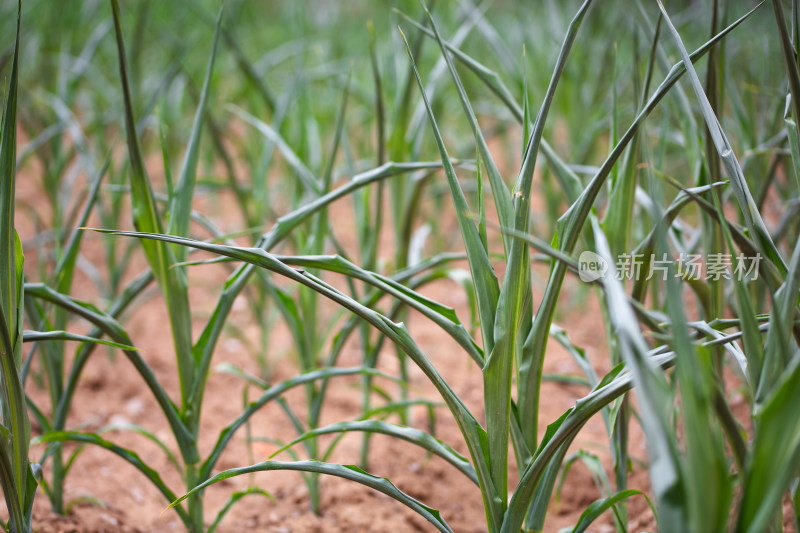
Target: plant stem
(195, 501)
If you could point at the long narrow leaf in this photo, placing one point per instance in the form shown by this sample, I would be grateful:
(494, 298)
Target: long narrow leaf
(412, 435)
(129, 456)
(146, 218)
(350, 472)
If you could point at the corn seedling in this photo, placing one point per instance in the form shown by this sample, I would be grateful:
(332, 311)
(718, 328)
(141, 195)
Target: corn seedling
(657, 153)
(17, 477)
(194, 360)
(682, 497)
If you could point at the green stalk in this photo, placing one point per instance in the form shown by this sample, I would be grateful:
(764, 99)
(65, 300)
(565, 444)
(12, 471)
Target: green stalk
(145, 214)
(16, 476)
(195, 503)
(370, 231)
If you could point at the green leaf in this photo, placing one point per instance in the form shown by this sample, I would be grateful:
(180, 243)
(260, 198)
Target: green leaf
(792, 69)
(412, 435)
(487, 291)
(705, 471)
(149, 435)
(233, 499)
(15, 470)
(272, 393)
(130, 456)
(444, 317)
(306, 177)
(602, 505)
(350, 472)
(8, 158)
(515, 331)
(181, 200)
(500, 192)
(38, 336)
(654, 397)
(473, 433)
(65, 268)
(108, 325)
(775, 455)
(146, 218)
(747, 206)
(486, 286)
(283, 227)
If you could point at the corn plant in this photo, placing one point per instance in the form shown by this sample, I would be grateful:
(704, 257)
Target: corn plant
(17, 477)
(193, 361)
(184, 423)
(515, 338)
(710, 471)
(19, 474)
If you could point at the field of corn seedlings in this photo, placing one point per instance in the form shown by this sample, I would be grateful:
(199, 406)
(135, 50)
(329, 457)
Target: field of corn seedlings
(401, 266)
